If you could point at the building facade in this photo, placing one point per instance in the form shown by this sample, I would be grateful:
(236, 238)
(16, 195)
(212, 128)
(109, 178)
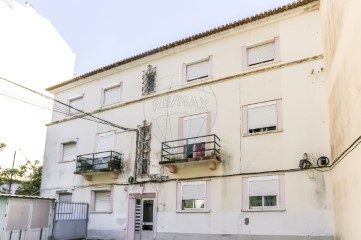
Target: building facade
(217, 136)
(342, 33)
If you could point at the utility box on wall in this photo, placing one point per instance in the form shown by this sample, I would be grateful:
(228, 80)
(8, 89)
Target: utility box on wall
(25, 217)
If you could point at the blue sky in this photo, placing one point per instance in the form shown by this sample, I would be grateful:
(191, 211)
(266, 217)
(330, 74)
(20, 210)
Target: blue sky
(101, 32)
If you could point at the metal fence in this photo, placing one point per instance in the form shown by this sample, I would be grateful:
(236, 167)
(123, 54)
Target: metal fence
(70, 220)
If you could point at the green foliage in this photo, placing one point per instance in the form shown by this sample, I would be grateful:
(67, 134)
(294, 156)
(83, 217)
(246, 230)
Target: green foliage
(29, 176)
(32, 178)
(2, 146)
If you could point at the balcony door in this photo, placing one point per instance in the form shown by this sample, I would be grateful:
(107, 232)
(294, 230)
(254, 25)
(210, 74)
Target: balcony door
(194, 132)
(105, 143)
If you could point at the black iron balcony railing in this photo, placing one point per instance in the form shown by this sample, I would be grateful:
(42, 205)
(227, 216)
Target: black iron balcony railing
(100, 161)
(195, 148)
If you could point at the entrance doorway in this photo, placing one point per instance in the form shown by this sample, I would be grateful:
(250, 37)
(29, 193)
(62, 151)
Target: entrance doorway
(142, 216)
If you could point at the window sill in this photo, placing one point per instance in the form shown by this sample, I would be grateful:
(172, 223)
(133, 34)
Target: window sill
(194, 211)
(100, 212)
(260, 65)
(262, 133)
(198, 79)
(265, 210)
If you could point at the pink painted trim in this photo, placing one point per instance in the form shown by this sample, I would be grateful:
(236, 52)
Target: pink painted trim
(244, 57)
(210, 66)
(279, 114)
(131, 219)
(244, 120)
(277, 49)
(179, 196)
(245, 194)
(184, 73)
(208, 195)
(282, 197)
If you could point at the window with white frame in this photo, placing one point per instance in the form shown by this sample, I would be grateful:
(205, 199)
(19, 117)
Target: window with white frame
(261, 53)
(264, 193)
(194, 132)
(102, 200)
(105, 142)
(68, 151)
(197, 70)
(112, 94)
(262, 117)
(76, 103)
(193, 195)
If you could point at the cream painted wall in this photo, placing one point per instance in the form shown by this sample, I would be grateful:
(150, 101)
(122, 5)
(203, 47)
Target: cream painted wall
(340, 21)
(301, 87)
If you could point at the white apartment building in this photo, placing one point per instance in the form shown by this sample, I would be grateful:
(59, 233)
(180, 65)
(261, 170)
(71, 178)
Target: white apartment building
(216, 136)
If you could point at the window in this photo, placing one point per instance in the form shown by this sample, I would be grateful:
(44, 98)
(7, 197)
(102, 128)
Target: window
(198, 70)
(105, 142)
(262, 117)
(148, 77)
(194, 132)
(77, 103)
(65, 197)
(193, 195)
(68, 151)
(263, 193)
(144, 146)
(261, 53)
(101, 200)
(112, 94)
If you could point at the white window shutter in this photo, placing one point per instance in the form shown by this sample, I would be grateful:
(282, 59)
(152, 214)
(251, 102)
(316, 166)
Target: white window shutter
(195, 126)
(263, 187)
(76, 103)
(105, 142)
(65, 197)
(194, 191)
(102, 201)
(198, 70)
(261, 53)
(69, 151)
(112, 95)
(261, 117)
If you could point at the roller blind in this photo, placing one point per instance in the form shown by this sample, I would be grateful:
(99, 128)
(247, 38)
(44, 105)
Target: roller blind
(261, 53)
(102, 201)
(69, 151)
(195, 126)
(261, 117)
(65, 197)
(194, 191)
(197, 70)
(105, 142)
(76, 103)
(263, 187)
(112, 95)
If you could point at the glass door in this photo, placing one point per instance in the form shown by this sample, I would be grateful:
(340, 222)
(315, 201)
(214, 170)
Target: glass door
(144, 216)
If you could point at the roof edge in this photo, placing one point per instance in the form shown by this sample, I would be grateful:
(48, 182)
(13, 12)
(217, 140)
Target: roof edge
(192, 38)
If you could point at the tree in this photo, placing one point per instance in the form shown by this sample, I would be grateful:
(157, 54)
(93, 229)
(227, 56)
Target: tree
(31, 175)
(2, 146)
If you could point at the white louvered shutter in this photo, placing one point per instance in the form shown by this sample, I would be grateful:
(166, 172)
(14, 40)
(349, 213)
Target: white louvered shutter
(69, 151)
(102, 201)
(261, 53)
(197, 70)
(195, 126)
(194, 191)
(65, 197)
(262, 117)
(76, 103)
(112, 95)
(263, 187)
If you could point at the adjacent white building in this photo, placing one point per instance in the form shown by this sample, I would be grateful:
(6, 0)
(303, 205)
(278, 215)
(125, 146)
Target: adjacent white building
(33, 54)
(204, 136)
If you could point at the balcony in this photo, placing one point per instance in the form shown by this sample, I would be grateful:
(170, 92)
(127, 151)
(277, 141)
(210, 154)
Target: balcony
(108, 162)
(189, 151)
